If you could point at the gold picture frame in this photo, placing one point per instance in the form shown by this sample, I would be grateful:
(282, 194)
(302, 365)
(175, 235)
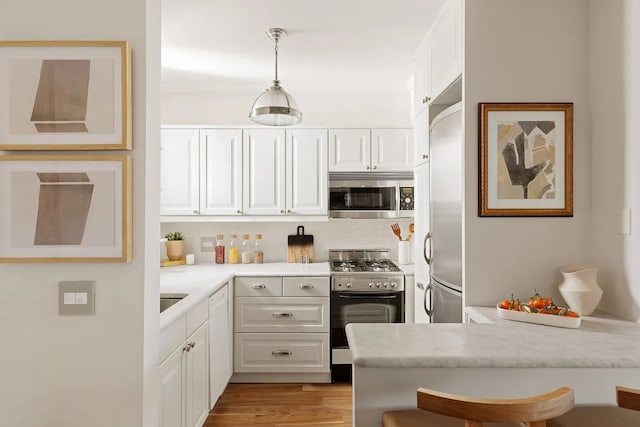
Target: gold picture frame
(526, 159)
(65, 208)
(65, 95)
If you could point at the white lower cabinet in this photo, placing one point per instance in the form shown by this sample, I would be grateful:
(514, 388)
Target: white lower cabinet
(281, 327)
(184, 373)
(220, 344)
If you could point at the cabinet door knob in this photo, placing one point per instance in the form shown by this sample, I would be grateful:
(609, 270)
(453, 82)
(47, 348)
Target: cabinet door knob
(195, 211)
(368, 167)
(281, 353)
(192, 344)
(375, 167)
(425, 156)
(288, 211)
(282, 211)
(238, 211)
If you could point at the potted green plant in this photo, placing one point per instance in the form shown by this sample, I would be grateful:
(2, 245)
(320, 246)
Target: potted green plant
(175, 245)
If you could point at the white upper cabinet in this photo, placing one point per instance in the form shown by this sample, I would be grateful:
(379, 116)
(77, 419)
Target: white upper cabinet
(370, 150)
(264, 172)
(391, 149)
(306, 177)
(179, 182)
(221, 171)
(349, 150)
(445, 46)
(421, 79)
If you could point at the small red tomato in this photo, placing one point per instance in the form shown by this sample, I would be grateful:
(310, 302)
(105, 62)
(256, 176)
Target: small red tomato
(505, 304)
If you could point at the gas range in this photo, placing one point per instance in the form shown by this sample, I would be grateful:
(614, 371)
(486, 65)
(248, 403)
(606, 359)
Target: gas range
(364, 270)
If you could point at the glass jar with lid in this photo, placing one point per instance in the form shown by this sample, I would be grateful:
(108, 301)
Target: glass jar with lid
(233, 250)
(219, 249)
(245, 250)
(258, 252)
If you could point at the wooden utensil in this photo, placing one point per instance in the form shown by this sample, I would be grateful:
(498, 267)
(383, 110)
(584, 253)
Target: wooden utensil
(411, 229)
(396, 230)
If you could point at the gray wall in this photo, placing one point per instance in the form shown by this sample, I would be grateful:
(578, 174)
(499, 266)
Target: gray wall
(524, 51)
(99, 370)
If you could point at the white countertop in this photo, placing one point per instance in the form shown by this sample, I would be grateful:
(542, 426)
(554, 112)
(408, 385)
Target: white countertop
(599, 343)
(408, 269)
(202, 280)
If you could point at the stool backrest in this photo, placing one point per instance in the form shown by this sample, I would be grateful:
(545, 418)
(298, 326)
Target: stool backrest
(628, 398)
(533, 411)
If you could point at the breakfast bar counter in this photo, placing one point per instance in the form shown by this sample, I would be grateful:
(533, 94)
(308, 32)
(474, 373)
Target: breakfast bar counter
(495, 358)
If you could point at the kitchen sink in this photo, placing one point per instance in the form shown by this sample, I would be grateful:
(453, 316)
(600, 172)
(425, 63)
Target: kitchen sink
(167, 300)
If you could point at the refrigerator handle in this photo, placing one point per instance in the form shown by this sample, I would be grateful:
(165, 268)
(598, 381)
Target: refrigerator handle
(427, 258)
(429, 312)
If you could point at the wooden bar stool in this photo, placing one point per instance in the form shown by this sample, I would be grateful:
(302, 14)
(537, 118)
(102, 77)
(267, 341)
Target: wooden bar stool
(438, 409)
(626, 414)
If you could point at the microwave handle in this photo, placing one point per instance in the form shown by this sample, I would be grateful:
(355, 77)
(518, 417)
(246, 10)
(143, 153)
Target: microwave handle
(427, 258)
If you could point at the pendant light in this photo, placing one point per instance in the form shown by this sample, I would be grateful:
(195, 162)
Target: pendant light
(275, 107)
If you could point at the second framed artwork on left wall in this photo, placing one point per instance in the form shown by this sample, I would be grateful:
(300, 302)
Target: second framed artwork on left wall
(65, 95)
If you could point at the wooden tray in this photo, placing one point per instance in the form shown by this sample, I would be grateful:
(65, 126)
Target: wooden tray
(166, 262)
(541, 319)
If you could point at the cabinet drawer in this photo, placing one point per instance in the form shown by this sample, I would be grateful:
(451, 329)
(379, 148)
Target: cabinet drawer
(172, 336)
(258, 286)
(305, 286)
(283, 314)
(197, 316)
(281, 353)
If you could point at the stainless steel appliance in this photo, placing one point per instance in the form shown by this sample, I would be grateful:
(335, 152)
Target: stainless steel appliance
(442, 249)
(366, 287)
(371, 195)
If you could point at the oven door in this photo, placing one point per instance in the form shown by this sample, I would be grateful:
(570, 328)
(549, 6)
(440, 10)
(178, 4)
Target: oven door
(361, 307)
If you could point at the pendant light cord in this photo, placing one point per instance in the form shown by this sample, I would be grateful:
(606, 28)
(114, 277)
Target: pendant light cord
(276, 50)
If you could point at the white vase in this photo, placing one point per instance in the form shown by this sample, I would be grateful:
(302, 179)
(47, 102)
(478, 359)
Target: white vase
(580, 289)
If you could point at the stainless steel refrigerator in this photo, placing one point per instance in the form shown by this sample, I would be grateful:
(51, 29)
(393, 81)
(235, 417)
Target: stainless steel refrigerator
(443, 245)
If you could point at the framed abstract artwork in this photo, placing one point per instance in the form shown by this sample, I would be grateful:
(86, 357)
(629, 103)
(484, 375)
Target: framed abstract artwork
(65, 208)
(526, 159)
(65, 95)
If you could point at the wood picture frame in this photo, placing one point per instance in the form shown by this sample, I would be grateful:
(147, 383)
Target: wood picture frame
(65, 208)
(65, 95)
(526, 159)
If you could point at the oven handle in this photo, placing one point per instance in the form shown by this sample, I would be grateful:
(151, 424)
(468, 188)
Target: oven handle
(367, 297)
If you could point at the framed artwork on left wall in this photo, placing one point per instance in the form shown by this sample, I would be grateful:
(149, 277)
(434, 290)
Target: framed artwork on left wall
(65, 95)
(65, 208)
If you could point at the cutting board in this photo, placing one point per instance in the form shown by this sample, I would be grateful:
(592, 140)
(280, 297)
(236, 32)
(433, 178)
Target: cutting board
(299, 244)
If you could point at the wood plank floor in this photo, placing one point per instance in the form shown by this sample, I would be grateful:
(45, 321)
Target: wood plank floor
(283, 405)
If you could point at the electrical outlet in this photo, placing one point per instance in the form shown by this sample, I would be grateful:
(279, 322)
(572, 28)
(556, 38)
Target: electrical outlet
(207, 244)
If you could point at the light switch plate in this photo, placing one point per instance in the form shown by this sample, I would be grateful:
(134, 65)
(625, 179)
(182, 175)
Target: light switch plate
(76, 297)
(207, 244)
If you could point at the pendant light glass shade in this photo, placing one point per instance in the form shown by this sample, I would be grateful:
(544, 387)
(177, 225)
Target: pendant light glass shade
(275, 107)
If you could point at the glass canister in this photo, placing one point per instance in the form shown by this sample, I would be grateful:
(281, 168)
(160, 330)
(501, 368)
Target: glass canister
(245, 250)
(258, 252)
(233, 250)
(219, 249)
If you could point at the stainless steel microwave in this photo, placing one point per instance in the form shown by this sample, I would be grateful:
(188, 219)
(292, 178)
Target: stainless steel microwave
(373, 195)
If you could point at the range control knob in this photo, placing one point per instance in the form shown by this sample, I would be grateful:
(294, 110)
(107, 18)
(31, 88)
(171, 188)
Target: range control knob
(394, 284)
(386, 285)
(348, 285)
(371, 284)
(378, 285)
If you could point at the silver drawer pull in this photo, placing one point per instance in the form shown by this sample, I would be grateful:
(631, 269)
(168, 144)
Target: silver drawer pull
(281, 353)
(278, 314)
(258, 286)
(305, 286)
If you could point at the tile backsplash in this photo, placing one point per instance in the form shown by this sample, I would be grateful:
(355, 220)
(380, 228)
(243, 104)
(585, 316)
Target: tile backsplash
(334, 234)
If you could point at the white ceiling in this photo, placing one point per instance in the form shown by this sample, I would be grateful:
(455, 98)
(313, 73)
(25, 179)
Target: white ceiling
(332, 45)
